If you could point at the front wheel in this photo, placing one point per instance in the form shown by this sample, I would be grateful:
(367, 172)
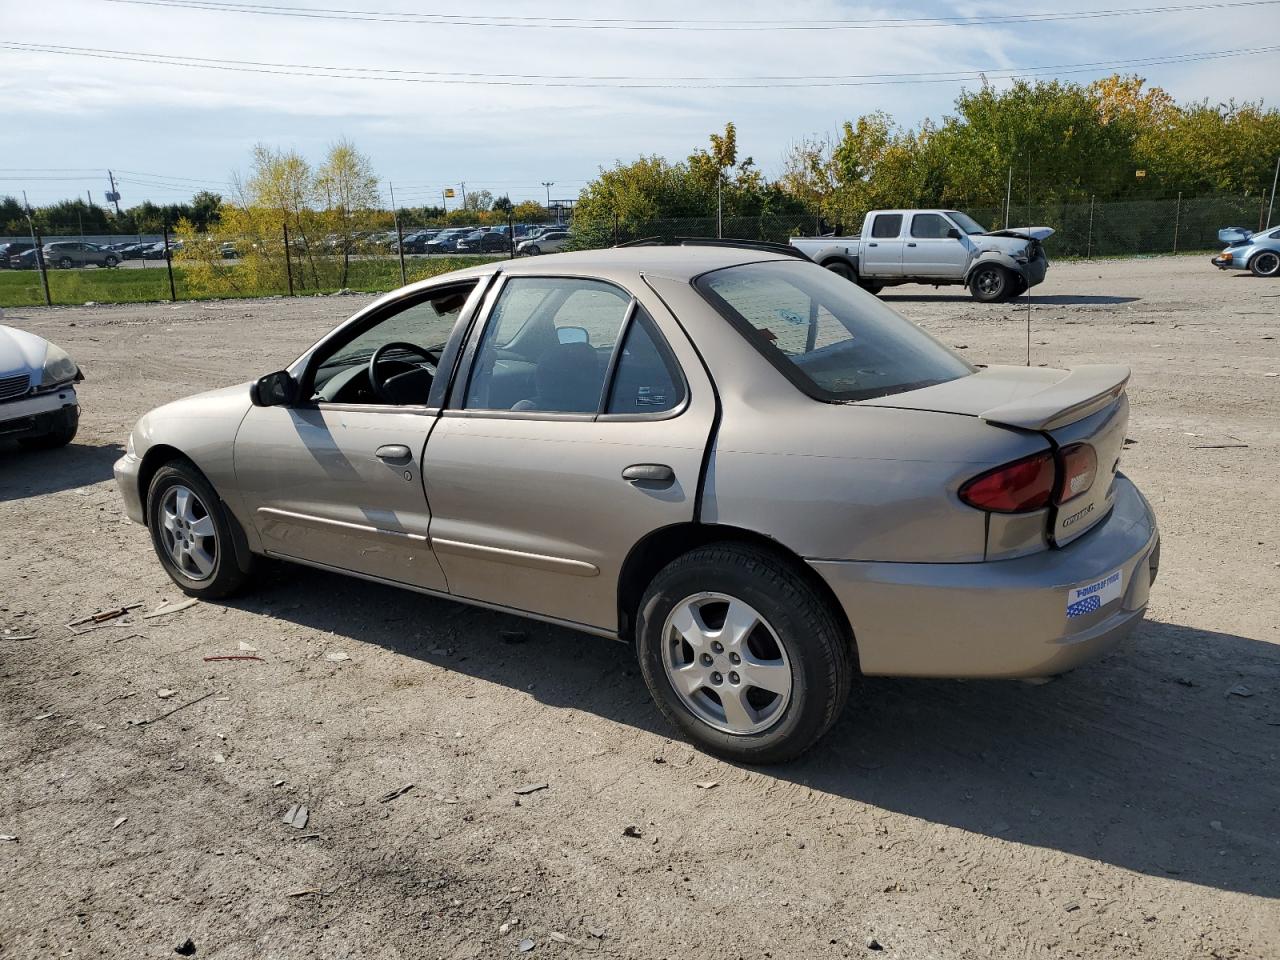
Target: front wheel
(65, 263)
(742, 654)
(1266, 264)
(991, 283)
(110, 262)
(191, 533)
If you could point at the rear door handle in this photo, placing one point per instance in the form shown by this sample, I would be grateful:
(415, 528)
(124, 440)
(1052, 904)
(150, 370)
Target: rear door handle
(394, 453)
(910, 244)
(654, 474)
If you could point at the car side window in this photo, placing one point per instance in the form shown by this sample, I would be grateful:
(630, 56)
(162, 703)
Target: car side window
(546, 346)
(886, 226)
(647, 377)
(341, 369)
(930, 226)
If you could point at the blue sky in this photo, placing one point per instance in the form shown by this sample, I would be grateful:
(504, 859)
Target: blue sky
(176, 130)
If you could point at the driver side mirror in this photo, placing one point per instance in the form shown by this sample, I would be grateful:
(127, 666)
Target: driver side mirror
(277, 389)
(954, 234)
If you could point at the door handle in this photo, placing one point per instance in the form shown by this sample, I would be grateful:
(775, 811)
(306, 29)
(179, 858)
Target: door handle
(873, 244)
(654, 474)
(910, 244)
(394, 453)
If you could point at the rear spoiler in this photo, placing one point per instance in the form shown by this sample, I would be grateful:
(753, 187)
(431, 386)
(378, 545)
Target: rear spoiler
(1083, 391)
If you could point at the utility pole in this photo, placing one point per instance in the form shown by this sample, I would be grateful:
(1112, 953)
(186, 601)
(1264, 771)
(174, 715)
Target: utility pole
(1271, 206)
(548, 184)
(444, 198)
(719, 204)
(35, 241)
(115, 194)
(1008, 196)
(464, 194)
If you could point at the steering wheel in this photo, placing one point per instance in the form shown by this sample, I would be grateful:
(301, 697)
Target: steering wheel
(378, 382)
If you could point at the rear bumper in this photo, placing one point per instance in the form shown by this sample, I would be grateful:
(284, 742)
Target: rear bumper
(1228, 263)
(1005, 618)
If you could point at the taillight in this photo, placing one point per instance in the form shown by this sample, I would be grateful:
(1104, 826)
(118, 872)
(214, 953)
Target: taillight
(1079, 468)
(1017, 487)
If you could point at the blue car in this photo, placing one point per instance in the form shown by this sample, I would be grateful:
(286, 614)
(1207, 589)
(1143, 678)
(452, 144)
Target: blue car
(1258, 253)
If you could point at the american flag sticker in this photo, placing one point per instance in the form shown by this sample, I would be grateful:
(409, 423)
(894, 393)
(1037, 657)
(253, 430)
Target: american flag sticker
(1082, 601)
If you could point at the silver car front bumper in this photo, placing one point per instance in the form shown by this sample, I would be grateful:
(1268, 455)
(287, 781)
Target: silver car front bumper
(1006, 618)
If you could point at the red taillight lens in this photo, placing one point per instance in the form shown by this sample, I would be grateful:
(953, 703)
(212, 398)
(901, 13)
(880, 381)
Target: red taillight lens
(1017, 487)
(1079, 468)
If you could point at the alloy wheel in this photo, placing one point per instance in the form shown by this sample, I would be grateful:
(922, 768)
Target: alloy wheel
(1267, 264)
(726, 663)
(990, 282)
(187, 533)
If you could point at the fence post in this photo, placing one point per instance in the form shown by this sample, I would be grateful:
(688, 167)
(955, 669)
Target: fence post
(168, 263)
(1177, 221)
(288, 260)
(1088, 244)
(615, 228)
(38, 240)
(511, 233)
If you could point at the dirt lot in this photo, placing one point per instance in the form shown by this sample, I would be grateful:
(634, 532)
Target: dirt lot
(1131, 808)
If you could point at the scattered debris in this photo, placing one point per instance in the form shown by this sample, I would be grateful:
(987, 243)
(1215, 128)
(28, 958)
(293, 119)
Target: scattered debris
(170, 713)
(525, 945)
(398, 792)
(120, 821)
(234, 656)
(187, 948)
(559, 937)
(164, 693)
(309, 892)
(42, 716)
(707, 784)
(166, 608)
(632, 831)
(1071, 907)
(659, 759)
(597, 932)
(296, 816)
(531, 788)
(1240, 690)
(23, 637)
(8, 838)
(508, 926)
(219, 758)
(1216, 824)
(248, 647)
(873, 944)
(337, 656)
(103, 616)
(278, 783)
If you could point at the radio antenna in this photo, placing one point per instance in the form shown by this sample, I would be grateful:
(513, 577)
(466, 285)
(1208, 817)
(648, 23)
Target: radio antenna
(1027, 292)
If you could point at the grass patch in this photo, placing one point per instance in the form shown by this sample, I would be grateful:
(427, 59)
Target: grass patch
(21, 288)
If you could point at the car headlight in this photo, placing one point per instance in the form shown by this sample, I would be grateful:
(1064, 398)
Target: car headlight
(58, 367)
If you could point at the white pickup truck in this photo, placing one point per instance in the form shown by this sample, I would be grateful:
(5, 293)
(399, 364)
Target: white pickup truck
(937, 247)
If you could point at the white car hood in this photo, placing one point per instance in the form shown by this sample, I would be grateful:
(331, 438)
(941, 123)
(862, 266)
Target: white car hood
(21, 351)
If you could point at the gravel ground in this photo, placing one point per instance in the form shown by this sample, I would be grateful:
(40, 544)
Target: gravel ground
(1131, 808)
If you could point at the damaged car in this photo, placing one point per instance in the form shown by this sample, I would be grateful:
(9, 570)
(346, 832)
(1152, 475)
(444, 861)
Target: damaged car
(1259, 253)
(38, 404)
(938, 247)
(758, 476)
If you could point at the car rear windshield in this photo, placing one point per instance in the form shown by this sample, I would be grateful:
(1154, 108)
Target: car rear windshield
(831, 339)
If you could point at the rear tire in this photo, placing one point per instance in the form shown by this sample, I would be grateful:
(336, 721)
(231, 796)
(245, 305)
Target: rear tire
(192, 534)
(65, 263)
(991, 283)
(110, 262)
(781, 631)
(1265, 264)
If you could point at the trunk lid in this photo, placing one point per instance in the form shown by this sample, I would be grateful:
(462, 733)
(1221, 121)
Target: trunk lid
(1233, 236)
(1084, 405)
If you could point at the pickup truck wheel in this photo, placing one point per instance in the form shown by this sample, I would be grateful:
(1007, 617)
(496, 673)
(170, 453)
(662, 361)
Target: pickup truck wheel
(841, 269)
(991, 283)
(871, 286)
(741, 654)
(1265, 264)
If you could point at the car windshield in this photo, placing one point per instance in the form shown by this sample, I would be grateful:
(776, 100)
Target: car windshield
(966, 222)
(832, 340)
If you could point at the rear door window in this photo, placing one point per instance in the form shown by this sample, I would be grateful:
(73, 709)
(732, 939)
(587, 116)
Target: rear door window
(647, 378)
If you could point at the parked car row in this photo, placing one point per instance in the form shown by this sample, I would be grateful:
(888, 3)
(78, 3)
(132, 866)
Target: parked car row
(497, 239)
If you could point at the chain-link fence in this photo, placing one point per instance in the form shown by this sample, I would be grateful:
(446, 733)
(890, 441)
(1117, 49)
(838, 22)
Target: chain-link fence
(214, 264)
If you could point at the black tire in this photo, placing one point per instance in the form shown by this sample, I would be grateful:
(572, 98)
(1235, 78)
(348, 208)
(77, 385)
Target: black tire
(991, 283)
(533, 250)
(110, 262)
(226, 577)
(842, 269)
(65, 263)
(817, 648)
(871, 286)
(61, 434)
(1265, 264)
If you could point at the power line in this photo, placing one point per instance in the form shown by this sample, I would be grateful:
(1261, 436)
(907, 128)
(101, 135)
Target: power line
(613, 82)
(628, 24)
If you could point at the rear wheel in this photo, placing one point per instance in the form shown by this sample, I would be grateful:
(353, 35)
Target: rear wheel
(191, 532)
(65, 263)
(742, 654)
(1266, 264)
(110, 262)
(991, 283)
